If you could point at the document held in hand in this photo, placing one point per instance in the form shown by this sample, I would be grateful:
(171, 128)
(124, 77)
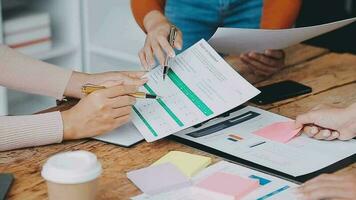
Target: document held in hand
(199, 85)
(239, 40)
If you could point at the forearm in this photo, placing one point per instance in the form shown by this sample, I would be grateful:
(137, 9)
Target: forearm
(32, 130)
(152, 19)
(141, 8)
(75, 83)
(280, 14)
(23, 73)
(351, 112)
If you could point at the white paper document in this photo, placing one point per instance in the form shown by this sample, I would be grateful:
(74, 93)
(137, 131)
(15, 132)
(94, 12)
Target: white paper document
(234, 135)
(270, 187)
(125, 135)
(237, 40)
(200, 85)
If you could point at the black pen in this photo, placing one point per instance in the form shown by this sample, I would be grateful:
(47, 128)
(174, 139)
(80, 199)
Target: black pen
(171, 38)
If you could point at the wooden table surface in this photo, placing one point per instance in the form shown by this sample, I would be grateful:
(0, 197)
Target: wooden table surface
(332, 77)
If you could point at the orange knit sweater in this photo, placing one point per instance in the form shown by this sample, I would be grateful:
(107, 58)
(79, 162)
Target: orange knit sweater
(277, 14)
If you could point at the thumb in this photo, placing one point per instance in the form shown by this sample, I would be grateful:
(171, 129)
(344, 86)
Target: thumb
(111, 83)
(178, 43)
(307, 118)
(119, 90)
(134, 74)
(297, 124)
(347, 132)
(134, 81)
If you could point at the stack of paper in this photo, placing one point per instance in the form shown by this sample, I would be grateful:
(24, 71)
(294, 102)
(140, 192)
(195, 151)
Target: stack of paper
(171, 172)
(225, 180)
(157, 179)
(188, 164)
(28, 32)
(200, 85)
(240, 40)
(221, 185)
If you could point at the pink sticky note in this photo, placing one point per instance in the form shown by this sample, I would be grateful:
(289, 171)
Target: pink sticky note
(222, 185)
(279, 132)
(159, 178)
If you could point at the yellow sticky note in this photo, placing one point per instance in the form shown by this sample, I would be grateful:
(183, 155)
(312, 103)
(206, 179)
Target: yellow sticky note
(189, 164)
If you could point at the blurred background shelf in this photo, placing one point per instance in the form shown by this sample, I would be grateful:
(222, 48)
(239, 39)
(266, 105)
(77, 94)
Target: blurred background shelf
(57, 50)
(65, 50)
(111, 36)
(105, 59)
(86, 35)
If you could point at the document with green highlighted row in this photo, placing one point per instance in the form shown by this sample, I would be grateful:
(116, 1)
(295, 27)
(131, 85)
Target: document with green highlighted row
(199, 86)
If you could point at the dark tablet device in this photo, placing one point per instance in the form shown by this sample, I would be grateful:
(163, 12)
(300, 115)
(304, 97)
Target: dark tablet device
(5, 184)
(280, 91)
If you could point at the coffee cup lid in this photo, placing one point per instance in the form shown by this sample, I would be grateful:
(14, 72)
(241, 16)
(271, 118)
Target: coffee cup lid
(72, 167)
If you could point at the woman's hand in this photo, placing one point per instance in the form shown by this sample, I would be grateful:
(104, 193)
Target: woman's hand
(79, 79)
(264, 64)
(330, 186)
(157, 44)
(99, 112)
(329, 123)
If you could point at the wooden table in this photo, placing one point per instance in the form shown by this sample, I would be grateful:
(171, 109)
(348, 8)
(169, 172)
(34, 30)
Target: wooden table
(332, 76)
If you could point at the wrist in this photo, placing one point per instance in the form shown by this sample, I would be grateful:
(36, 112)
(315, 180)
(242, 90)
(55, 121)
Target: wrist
(350, 112)
(68, 129)
(352, 108)
(75, 83)
(153, 19)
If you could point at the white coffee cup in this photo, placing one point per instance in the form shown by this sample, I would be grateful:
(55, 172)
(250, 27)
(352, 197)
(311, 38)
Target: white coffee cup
(72, 175)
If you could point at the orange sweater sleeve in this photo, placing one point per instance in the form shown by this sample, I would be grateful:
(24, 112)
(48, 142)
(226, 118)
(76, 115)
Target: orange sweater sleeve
(280, 14)
(140, 8)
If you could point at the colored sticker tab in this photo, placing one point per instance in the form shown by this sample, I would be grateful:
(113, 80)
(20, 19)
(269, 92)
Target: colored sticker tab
(279, 132)
(262, 181)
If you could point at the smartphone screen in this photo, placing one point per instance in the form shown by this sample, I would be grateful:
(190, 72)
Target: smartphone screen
(280, 91)
(5, 184)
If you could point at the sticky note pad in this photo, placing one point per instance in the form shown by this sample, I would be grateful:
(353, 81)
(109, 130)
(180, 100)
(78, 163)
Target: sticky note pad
(189, 164)
(159, 178)
(221, 185)
(279, 132)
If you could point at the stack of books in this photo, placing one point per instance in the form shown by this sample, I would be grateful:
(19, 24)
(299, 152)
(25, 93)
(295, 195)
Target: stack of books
(28, 32)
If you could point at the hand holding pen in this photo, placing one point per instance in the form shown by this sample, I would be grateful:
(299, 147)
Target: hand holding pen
(99, 112)
(157, 44)
(89, 88)
(171, 38)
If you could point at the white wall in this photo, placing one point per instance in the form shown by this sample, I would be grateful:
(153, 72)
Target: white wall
(105, 30)
(3, 96)
(3, 101)
(113, 38)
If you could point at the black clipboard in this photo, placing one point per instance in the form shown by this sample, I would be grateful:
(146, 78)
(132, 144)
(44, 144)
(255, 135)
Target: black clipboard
(300, 179)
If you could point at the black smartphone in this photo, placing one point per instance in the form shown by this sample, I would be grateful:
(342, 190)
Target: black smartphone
(280, 91)
(5, 184)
